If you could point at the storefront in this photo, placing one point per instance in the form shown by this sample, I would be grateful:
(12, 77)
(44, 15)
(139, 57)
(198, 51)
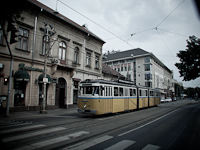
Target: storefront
(21, 77)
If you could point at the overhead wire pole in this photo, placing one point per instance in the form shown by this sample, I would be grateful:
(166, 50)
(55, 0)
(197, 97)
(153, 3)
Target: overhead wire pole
(46, 52)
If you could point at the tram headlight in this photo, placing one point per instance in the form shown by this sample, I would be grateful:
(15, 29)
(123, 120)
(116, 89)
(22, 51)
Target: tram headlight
(85, 106)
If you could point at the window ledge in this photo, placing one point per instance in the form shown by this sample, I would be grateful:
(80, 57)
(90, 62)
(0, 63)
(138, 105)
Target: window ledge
(22, 50)
(88, 66)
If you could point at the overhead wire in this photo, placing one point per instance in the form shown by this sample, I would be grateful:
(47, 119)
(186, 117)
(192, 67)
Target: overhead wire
(165, 43)
(173, 32)
(170, 14)
(96, 23)
(156, 28)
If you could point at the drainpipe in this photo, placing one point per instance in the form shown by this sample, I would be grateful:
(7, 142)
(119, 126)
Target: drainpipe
(33, 52)
(84, 57)
(34, 36)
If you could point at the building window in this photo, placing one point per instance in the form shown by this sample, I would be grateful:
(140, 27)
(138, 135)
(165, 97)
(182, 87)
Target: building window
(148, 84)
(129, 67)
(148, 76)
(157, 81)
(97, 62)
(45, 45)
(147, 59)
(76, 55)
(147, 67)
(23, 39)
(62, 52)
(88, 59)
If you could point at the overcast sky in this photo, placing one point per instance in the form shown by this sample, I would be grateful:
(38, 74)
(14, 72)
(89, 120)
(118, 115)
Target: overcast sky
(129, 18)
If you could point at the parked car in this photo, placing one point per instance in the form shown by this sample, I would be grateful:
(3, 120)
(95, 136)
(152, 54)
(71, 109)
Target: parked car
(162, 100)
(168, 99)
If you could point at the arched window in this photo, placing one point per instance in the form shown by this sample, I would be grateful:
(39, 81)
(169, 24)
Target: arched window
(76, 55)
(62, 52)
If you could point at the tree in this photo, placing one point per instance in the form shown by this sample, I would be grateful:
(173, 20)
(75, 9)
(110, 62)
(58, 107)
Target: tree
(189, 66)
(11, 9)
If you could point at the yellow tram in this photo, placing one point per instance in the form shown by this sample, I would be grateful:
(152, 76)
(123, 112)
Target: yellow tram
(102, 97)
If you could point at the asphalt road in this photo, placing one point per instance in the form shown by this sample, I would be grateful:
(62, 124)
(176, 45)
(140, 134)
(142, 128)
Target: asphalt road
(174, 125)
(179, 129)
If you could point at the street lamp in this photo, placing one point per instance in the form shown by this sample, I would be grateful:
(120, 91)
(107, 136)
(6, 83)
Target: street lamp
(47, 30)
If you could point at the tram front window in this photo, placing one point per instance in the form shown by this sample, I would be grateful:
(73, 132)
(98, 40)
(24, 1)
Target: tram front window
(90, 90)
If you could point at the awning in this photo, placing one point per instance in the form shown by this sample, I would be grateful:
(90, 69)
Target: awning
(21, 75)
(40, 78)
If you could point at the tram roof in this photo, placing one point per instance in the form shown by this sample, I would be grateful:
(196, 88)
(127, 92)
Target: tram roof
(118, 82)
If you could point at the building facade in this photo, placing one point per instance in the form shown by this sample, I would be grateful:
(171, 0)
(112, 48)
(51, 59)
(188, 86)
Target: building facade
(74, 54)
(141, 67)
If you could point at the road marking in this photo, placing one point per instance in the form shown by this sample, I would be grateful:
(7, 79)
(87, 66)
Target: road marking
(23, 128)
(58, 139)
(147, 123)
(27, 135)
(5, 125)
(26, 148)
(85, 145)
(151, 147)
(121, 145)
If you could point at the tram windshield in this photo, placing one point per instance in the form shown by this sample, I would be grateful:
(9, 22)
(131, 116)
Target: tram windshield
(90, 90)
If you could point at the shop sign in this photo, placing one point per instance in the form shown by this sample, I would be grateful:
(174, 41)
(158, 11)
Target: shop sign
(23, 67)
(45, 80)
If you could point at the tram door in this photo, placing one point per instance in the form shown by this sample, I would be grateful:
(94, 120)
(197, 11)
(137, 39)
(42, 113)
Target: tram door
(126, 99)
(109, 100)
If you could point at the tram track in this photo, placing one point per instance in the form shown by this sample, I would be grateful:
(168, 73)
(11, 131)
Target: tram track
(93, 126)
(133, 124)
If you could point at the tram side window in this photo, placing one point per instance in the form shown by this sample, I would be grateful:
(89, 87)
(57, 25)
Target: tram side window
(116, 91)
(132, 92)
(126, 92)
(157, 93)
(121, 91)
(151, 93)
(87, 90)
(107, 91)
(90, 90)
(145, 94)
(101, 91)
(140, 92)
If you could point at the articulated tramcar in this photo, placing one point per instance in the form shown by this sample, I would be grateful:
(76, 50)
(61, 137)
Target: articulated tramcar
(102, 97)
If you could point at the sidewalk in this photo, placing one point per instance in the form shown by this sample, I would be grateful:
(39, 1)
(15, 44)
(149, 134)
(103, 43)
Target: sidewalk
(55, 112)
(34, 114)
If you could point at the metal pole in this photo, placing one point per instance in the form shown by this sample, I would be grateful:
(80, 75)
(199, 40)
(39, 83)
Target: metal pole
(43, 111)
(10, 75)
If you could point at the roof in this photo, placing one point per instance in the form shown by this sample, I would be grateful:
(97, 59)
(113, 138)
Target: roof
(107, 70)
(124, 54)
(64, 18)
(133, 53)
